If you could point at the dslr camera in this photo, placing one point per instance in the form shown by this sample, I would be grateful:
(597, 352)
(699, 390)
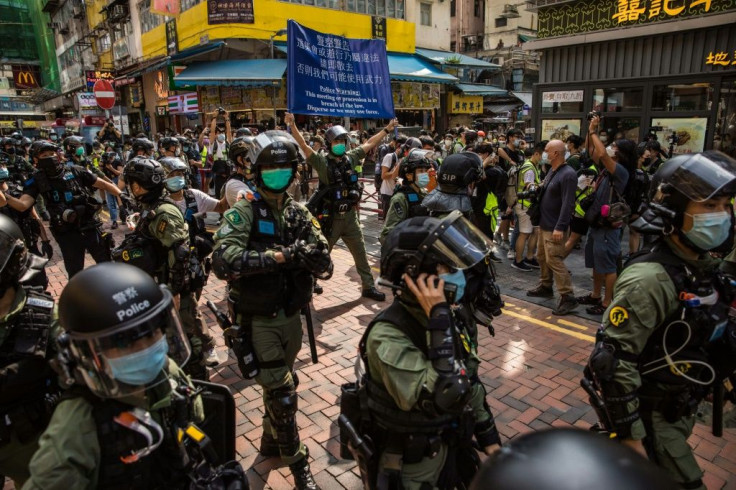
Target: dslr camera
(592, 114)
(221, 111)
(531, 192)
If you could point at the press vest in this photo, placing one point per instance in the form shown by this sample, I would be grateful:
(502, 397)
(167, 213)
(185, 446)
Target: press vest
(520, 184)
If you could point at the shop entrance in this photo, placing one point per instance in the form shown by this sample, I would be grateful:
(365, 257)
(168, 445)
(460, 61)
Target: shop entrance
(724, 138)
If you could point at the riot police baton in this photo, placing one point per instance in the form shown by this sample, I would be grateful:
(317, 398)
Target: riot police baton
(307, 312)
(717, 422)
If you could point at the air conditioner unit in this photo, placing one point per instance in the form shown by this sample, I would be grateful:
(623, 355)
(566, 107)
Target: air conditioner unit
(64, 31)
(510, 12)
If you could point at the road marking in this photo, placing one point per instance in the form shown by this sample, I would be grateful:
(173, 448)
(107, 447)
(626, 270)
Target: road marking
(550, 326)
(571, 324)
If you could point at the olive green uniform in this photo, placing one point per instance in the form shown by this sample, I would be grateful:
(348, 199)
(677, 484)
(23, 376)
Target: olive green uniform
(15, 455)
(644, 297)
(69, 455)
(276, 340)
(398, 211)
(346, 226)
(395, 363)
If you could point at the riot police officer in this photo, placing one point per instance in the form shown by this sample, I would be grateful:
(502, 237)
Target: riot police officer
(241, 184)
(68, 194)
(28, 325)
(407, 199)
(457, 174)
(335, 204)
(268, 250)
(424, 401)
(191, 156)
(141, 147)
(17, 166)
(666, 338)
(130, 417)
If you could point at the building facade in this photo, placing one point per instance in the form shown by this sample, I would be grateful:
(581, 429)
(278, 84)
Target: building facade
(648, 67)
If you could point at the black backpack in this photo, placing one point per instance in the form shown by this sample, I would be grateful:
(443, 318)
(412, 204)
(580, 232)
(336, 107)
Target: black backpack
(637, 189)
(498, 181)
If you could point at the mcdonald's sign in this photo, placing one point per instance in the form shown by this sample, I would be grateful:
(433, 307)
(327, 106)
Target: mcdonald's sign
(25, 76)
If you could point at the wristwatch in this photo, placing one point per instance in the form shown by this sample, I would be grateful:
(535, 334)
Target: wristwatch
(386, 130)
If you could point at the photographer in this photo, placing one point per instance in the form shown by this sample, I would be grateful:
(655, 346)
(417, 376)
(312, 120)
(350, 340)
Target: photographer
(655, 158)
(218, 149)
(527, 191)
(110, 133)
(603, 246)
(511, 157)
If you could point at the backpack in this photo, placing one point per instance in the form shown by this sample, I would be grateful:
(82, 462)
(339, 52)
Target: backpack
(636, 191)
(499, 181)
(383, 150)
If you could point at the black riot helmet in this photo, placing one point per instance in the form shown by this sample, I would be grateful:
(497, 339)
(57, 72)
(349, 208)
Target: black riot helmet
(336, 132)
(40, 146)
(149, 174)
(173, 164)
(142, 144)
(274, 151)
(458, 171)
(50, 165)
(121, 327)
(242, 132)
(13, 253)
(109, 157)
(71, 143)
(240, 147)
(167, 143)
(418, 244)
(695, 177)
(411, 144)
(7, 145)
(564, 459)
(414, 160)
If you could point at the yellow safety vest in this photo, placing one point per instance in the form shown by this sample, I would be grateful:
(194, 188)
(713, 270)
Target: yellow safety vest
(520, 184)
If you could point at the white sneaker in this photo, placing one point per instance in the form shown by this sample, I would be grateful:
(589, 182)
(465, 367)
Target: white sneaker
(211, 358)
(511, 255)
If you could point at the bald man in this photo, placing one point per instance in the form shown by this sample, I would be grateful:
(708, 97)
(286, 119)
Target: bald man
(558, 201)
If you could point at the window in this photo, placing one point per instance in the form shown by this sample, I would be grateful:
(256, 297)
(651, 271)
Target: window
(617, 128)
(478, 8)
(381, 8)
(452, 8)
(150, 21)
(103, 43)
(501, 21)
(725, 137)
(618, 99)
(453, 45)
(682, 97)
(425, 14)
(187, 4)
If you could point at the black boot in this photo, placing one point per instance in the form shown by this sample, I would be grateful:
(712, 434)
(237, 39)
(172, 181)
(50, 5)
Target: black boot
(374, 294)
(269, 446)
(303, 479)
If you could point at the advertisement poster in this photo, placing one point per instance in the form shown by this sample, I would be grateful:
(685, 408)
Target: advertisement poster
(336, 76)
(230, 12)
(559, 129)
(416, 95)
(689, 133)
(92, 76)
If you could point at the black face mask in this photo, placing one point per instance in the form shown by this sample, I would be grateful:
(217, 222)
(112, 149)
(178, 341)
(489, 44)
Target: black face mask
(646, 162)
(10, 151)
(51, 166)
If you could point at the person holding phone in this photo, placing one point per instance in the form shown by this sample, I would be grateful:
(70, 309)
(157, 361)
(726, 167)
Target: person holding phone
(218, 148)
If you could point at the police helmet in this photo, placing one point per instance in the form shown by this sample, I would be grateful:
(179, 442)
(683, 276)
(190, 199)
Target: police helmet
(240, 147)
(243, 132)
(418, 244)
(71, 143)
(274, 148)
(336, 132)
(684, 178)
(458, 171)
(149, 174)
(142, 144)
(167, 142)
(40, 146)
(183, 141)
(173, 164)
(121, 326)
(414, 160)
(25, 141)
(13, 253)
(411, 144)
(6, 141)
(561, 459)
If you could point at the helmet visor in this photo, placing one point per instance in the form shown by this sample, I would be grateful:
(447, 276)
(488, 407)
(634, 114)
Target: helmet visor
(458, 243)
(703, 176)
(109, 361)
(8, 249)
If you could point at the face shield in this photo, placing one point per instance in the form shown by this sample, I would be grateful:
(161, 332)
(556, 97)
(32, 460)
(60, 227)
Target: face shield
(457, 243)
(131, 357)
(704, 175)
(12, 255)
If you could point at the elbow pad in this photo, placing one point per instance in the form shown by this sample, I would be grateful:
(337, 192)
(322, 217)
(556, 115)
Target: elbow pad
(452, 393)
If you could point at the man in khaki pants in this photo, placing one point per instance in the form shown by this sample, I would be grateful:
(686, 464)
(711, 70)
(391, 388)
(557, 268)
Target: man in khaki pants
(556, 204)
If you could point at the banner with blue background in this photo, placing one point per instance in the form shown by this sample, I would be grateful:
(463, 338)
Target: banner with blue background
(331, 75)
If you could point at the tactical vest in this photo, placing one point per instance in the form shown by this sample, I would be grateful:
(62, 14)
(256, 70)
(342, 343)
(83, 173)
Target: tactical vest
(344, 187)
(265, 294)
(67, 193)
(30, 391)
(195, 223)
(415, 201)
(30, 227)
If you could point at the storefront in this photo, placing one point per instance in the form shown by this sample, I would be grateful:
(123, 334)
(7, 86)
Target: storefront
(658, 68)
(416, 104)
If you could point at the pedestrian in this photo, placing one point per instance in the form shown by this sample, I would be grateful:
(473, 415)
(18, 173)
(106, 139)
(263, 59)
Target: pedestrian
(574, 142)
(527, 188)
(420, 402)
(218, 149)
(656, 159)
(342, 194)
(489, 192)
(390, 171)
(129, 418)
(578, 226)
(141, 147)
(112, 166)
(666, 339)
(603, 244)
(69, 196)
(511, 157)
(28, 325)
(269, 249)
(556, 201)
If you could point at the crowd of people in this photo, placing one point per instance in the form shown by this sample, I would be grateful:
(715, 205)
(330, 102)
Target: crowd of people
(106, 386)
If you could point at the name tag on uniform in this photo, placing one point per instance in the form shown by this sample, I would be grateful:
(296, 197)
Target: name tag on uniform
(41, 303)
(68, 176)
(266, 227)
(413, 197)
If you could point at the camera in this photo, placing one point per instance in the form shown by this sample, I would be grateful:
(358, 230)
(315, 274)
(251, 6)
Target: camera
(221, 111)
(673, 139)
(656, 129)
(592, 114)
(531, 192)
(69, 216)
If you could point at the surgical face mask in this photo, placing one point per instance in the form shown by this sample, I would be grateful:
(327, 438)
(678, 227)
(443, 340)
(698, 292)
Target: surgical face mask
(177, 152)
(276, 179)
(610, 151)
(502, 143)
(603, 138)
(458, 279)
(422, 180)
(175, 184)
(80, 151)
(220, 138)
(584, 181)
(50, 165)
(4, 174)
(141, 367)
(545, 157)
(206, 141)
(709, 229)
(517, 143)
(448, 142)
(338, 149)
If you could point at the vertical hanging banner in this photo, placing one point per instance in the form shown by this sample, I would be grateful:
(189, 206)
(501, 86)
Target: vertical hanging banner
(332, 75)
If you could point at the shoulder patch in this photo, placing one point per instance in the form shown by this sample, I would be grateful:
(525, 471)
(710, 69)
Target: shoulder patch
(315, 223)
(224, 230)
(399, 210)
(618, 316)
(233, 216)
(162, 225)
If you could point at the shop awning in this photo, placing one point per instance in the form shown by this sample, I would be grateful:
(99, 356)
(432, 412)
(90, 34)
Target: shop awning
(479, 89)
(448, 58)
(524, 38)
(145, 67)
(197, 50)
(500, 108)
(411, 68)
(238, 73)
(525, 97)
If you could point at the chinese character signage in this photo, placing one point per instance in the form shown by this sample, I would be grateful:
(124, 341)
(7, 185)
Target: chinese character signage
(584, 16)
(172, 40)
(378, 27)
(566, 96)
(336, 76)
(721, 58)
(464, 104)
(92, 76)
(166, 7)
(26, 76)
(230, 12)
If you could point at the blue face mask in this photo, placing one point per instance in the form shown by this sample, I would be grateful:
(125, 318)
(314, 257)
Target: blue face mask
(709, 229)
(276, 179)
(4, 174)
(422, 180)
(141, 367)
(175, 184)
(458, 279)
(338, 149)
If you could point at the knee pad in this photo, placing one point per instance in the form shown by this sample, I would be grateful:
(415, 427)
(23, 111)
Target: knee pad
(284, 404)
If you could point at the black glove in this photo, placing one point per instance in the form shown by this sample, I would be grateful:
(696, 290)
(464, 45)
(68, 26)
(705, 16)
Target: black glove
(314, 258)
(47, 249)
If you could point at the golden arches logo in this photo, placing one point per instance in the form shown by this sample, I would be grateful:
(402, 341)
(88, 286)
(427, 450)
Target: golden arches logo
(26, 79)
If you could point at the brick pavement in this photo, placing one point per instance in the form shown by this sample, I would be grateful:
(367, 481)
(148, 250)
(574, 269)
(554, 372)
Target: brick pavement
(531, 370)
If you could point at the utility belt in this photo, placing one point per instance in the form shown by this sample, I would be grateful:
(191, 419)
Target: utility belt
(26, 420)
(673, 405)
